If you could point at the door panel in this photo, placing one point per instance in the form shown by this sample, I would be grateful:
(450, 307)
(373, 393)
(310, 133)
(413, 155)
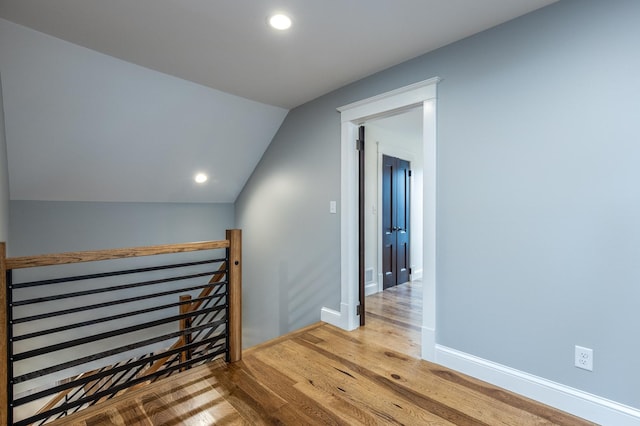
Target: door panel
(388, 234)
(395, 221)
(401, 199)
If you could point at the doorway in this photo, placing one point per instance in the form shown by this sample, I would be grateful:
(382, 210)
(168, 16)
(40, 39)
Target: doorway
(421, 93)
(398, 136)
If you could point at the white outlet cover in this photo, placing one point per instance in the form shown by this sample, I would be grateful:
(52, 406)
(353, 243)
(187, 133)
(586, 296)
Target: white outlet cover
(584, 358)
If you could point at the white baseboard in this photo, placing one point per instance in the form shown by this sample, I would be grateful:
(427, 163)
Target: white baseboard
(371, 288)
(565, 398)
(331, 316)
(416, 274)
(339, 319)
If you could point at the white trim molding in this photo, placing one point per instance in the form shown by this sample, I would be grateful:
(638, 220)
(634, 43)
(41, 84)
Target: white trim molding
(390, 103)
(583, 404)
(416, 274)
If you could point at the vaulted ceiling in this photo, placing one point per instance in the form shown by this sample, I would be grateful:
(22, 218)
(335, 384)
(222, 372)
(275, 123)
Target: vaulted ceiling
(161, 89)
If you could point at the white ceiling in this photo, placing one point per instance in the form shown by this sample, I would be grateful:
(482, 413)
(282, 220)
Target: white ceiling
(96, 113)
(226, 44)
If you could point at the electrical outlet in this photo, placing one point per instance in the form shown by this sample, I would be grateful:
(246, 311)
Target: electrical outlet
(584, 358)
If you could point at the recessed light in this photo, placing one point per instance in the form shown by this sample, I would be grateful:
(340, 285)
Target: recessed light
(280, 22)
(201, 178)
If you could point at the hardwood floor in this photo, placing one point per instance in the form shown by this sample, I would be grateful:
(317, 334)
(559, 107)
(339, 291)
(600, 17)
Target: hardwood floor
(324, 375)
(394, 318)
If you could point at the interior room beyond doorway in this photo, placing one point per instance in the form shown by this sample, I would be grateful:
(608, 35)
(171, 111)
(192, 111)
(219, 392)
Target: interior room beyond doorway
(398, 136)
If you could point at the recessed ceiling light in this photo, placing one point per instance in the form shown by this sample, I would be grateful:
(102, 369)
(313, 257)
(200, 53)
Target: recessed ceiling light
(201, 178)
(280, 22)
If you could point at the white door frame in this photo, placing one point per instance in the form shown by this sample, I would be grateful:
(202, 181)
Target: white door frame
(390, 103)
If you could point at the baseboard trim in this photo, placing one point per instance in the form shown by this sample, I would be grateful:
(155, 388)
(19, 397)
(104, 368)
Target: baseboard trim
(331, 316)
(339, 319)
(565, 398)
(370, 289)
(416, 275)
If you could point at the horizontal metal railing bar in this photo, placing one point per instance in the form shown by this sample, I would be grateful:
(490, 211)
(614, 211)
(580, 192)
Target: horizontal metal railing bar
(108, 334)
(97, 255)
(121, 379)
(208, 318)
(113, 377)
(199, 333)
(200, 318)
(206, 332)
(89, 358)
(114, 302)
(97, 382)
(110, 371)
(105, 319)
(109, 289)
(98, 395)
(113, 274)
(96, 376)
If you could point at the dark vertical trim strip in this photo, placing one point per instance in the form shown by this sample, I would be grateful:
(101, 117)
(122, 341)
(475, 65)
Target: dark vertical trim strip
(9, 328)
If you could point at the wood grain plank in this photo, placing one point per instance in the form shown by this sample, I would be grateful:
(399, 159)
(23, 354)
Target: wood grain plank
(478, 402)
(300, 409)
(331, 377)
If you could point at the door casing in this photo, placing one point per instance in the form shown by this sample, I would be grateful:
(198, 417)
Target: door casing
(421, 93)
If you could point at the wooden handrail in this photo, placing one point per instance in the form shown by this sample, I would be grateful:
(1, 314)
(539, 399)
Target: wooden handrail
(122, 253)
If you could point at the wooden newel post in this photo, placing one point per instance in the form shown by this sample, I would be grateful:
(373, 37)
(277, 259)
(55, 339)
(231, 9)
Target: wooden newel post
(235, 294)
(185, 324)
(4, 366)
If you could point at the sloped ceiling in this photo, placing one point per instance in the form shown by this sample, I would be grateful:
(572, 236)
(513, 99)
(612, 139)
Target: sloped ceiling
(83, 126)
(188, 86)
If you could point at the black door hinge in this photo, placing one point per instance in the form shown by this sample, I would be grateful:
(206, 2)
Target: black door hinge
(359, 310)
(410, 173)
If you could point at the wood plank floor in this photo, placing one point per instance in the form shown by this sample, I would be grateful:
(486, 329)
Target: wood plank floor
(323, 375)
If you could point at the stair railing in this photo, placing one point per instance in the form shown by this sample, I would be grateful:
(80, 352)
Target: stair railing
(82, 333)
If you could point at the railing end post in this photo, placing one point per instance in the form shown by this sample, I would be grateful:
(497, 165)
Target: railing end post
(4, 380)
(235, 293)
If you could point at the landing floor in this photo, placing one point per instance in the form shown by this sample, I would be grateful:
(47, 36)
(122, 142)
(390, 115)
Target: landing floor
(324, 375)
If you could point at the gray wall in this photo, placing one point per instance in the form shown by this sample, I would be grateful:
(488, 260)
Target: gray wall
(291, 243)
(38, 227)
(4, 176)
(538, 198)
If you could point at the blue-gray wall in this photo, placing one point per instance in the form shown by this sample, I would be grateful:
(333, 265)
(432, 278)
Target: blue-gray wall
(39, 227)
(538, 198)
